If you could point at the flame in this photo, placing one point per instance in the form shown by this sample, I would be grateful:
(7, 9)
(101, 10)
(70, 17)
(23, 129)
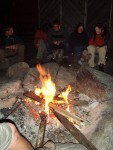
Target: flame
(65, 95)
(48, 89)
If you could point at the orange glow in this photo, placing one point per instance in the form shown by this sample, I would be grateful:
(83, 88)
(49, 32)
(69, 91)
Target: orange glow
(65, 95)
(48, 89)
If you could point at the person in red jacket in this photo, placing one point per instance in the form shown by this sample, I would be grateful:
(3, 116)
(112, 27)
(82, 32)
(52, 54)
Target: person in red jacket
(40, 39)
(97, 44)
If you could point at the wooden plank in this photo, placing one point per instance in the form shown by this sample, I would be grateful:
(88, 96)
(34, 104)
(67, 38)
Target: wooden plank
(74, 131)
(75, 118)
(33, 96)
(41, 131)
(65, 113)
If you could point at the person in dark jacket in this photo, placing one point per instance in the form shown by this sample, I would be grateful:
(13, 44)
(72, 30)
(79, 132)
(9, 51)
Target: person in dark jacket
(11, 44)
(78, 41)
(57, 40)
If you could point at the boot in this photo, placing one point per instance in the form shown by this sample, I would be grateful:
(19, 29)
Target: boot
(101, 67)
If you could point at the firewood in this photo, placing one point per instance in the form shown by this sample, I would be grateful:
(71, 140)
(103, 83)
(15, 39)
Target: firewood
(41, 131)
(67, 114)
(75, 118)
(74, 131)
(13, 109)
(33, 96)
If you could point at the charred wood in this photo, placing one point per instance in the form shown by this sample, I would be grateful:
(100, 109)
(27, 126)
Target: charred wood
(74, 131)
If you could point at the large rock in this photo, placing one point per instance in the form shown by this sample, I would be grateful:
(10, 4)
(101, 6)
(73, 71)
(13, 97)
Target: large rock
(61, 76)
(10, 87)
(60, 72)
(94, 83)
(69, 146)
(18, 70)
(31, 80)
(102, 137)
(106, 80)
(8, 102)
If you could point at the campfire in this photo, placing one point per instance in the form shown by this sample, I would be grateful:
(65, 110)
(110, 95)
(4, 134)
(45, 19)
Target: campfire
(47, 99)
(50, 106)
(52, 102)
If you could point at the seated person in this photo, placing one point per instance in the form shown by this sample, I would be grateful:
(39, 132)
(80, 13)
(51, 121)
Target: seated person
(11, 44)
(57, 39)
(78, 41)
(11, 139)
(98, 44)
(40, 39)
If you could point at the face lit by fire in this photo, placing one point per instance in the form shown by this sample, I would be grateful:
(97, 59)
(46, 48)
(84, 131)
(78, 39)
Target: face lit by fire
(80, 29)
(9, 31)
(56, 27)
(98, 30)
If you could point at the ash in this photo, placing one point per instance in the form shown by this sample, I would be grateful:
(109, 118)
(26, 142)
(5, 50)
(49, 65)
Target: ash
(59, 134)
(28, 126)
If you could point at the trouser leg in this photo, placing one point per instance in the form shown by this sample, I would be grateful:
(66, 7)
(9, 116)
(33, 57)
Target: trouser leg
(58, 54)
(91, 50)
(42, 50)
(102, 54)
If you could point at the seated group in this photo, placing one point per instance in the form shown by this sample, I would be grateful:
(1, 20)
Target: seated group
(56, 39)
(55, 42)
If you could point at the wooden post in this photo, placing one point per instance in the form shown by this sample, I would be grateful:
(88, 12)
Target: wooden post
(41, 131)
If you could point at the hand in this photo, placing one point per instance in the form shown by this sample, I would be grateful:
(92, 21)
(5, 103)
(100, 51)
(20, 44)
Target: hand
(105, 47)
(55, 42)
(13, 47)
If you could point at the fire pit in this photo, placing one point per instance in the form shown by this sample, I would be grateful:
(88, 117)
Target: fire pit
(48, 112)
(49, 104)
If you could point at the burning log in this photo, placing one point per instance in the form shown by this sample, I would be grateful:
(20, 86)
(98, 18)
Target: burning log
(38, 99)
(33, 96)
(67, 114)
(74, 131)
(41, 131)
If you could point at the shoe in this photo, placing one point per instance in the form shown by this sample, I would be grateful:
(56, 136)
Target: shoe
(101, 67)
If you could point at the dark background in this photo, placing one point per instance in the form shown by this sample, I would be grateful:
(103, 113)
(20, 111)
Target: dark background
(27, 15)
(22, 14)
